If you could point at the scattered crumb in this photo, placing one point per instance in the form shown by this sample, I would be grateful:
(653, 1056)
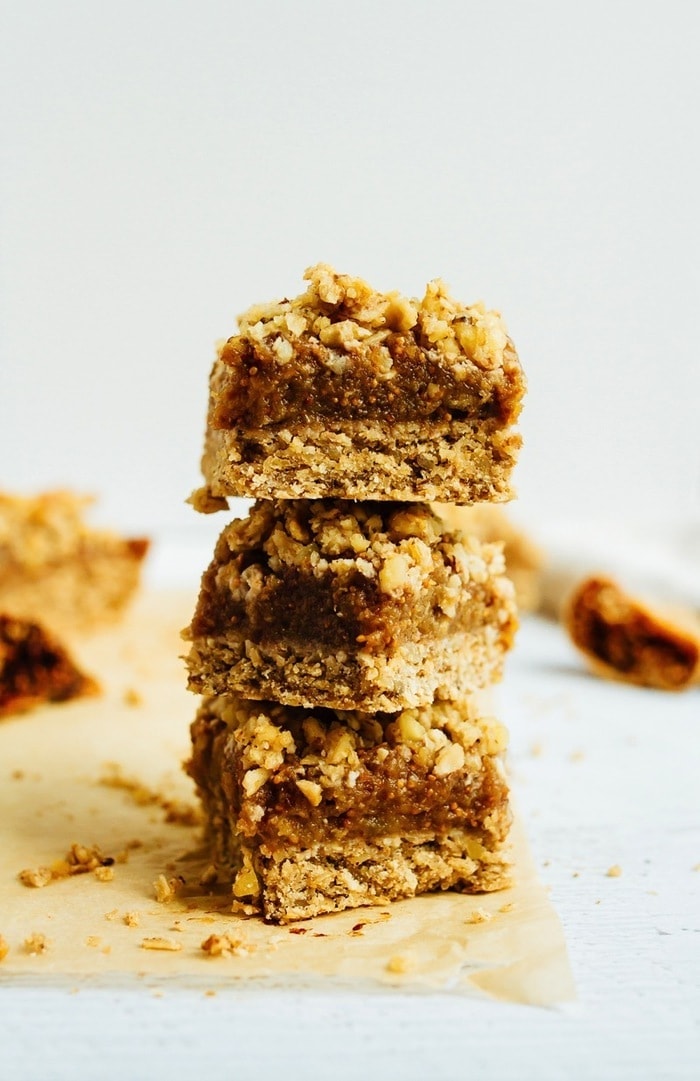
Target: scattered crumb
(536, 749)
(104, 874)
(576, 874)
(397, 964)
(132, 697)
(226, 945)
(577, 756)
(508, 907)
(17, 775)
(615, 871)
(106, 950)
(696, 867)
(165, 889)
(479, 915)
(132, 919)
(298, 930)
(79, 860)
(209, 994)
(177, 812)
(4, 948)
(158, 942)
(93, 940)
(113, 914)
(36, 943)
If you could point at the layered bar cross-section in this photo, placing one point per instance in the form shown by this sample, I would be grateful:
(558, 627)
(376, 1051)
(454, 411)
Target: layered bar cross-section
(314, 811)
(372, 606)
(345, 392)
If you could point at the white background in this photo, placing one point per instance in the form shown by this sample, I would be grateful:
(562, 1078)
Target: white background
(167, 164)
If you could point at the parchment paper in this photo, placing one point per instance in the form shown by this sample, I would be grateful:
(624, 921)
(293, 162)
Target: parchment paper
(509, 945)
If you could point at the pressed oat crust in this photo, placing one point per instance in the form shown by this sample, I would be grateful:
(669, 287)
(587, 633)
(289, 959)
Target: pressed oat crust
(56, 570)
(314, 811)
(344, 392)
(374, 606)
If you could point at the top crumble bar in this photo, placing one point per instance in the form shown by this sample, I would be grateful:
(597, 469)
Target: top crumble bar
(344, 392)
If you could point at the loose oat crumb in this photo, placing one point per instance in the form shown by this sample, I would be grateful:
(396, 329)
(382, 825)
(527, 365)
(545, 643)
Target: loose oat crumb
(17, 775)
(165, 889)
(132, 697)
(36, 877)
(104, 874)
(80, 859)
(479, 915)
(508, 907)
(576, 756)
(177, 812)
(210, 994)
(158, 942)
(536, 750)
(93, 940)
(397, 964)
(113, 914)
(4, 948)
(615, 871)
(226, 945)
(36, 943)
(132, 919)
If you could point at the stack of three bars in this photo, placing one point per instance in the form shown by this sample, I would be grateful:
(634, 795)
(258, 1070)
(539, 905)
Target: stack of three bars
(343, 635)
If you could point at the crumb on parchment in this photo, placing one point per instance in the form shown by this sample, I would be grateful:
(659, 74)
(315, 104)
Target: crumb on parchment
(79, 860)
(226, 945)
(36, 943)
(398, 965)
(614, 872)
(176, 812)
(159, 942)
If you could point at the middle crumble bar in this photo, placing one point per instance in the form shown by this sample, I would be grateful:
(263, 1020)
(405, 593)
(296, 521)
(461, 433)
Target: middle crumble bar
(372, 606)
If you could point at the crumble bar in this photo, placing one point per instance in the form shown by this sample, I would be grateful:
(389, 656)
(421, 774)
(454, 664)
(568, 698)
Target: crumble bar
(371, 606)
(35, 668)
(624, 638)
(344, 392)
(54, 569)
(310, 812)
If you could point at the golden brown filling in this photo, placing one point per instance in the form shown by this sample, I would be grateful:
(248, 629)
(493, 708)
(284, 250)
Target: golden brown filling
(628, 639)
(255, 392)
(34, 667)
(389, 798)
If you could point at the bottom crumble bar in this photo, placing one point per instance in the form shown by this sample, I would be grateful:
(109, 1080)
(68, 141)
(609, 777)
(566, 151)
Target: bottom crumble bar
(315, 811)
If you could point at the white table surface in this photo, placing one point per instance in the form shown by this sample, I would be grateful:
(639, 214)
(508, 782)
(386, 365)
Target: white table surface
(603, 774)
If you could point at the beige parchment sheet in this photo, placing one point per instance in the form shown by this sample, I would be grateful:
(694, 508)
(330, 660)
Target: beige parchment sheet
(508, 945)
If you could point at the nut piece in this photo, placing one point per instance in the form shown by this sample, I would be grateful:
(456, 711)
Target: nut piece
(449, 759)
(311, 790)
